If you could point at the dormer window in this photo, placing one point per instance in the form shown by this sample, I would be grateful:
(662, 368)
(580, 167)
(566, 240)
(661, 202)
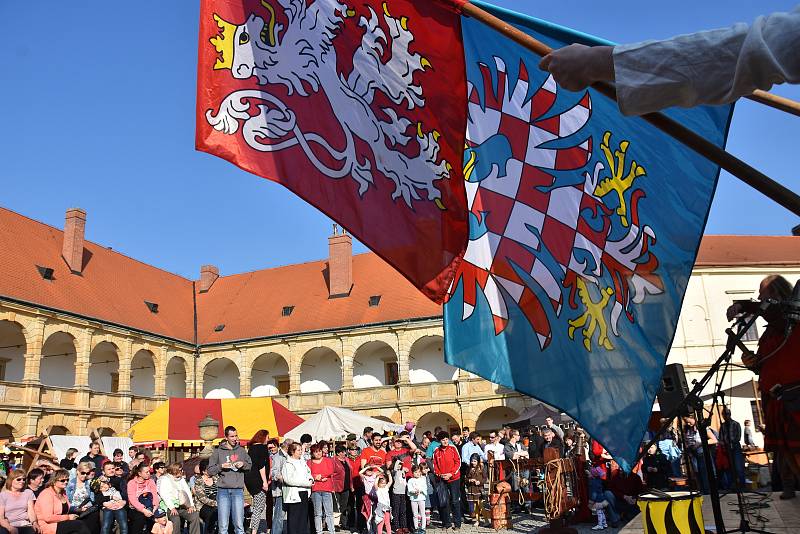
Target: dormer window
(152, 306)
(45, 272)
(219, 328)
(374, 300)
(287, 311)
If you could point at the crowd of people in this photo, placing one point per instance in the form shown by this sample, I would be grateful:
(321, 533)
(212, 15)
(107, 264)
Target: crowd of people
(372, 484)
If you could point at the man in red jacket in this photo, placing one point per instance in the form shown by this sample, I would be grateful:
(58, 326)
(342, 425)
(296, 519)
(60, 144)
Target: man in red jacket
(447, 468)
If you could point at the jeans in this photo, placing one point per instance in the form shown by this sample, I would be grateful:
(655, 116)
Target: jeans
(611, 510)
(453, 490)
(108, 520)
(277, 514)
(323, 504)
(230, 504)
(698, 462)
(343, 499)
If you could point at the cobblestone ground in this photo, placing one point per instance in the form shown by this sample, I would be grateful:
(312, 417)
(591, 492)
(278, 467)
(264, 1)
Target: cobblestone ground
(527, 523)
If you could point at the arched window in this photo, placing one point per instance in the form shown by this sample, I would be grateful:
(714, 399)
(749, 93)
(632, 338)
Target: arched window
(321, 370)
(221, 379)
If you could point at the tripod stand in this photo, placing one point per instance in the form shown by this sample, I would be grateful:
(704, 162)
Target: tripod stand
(693, 404)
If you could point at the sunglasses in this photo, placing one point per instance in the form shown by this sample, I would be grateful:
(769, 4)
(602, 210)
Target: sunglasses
(62, 480)
(19, 478)
(83, 472)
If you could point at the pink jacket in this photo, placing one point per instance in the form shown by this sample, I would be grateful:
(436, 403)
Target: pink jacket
(137, 487)
(48, 508)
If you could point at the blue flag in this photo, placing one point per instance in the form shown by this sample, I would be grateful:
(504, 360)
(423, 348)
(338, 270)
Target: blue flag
(584, 226)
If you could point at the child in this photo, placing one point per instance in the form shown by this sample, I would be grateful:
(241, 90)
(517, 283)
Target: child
(597, 500)
(383, 504)
(162, 525)
(417, 487)
(426, 472)
(113, 507)
(369, 477)
(475, 479)
(398, 498)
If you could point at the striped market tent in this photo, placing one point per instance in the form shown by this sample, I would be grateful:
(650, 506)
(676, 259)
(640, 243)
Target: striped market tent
(174, 423)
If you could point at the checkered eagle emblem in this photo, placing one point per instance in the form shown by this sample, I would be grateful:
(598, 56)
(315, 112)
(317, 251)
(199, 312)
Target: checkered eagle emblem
(546, 228)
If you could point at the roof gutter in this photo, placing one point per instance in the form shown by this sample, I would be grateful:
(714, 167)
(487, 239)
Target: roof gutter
(319, 331)
(101, 321)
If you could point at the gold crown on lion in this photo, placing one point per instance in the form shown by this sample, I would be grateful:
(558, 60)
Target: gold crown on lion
(223, 43)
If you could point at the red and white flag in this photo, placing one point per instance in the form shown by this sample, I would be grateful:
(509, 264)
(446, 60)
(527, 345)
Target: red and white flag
(359, 109)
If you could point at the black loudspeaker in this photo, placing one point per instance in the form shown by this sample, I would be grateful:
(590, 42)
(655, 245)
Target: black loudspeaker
(673, 388)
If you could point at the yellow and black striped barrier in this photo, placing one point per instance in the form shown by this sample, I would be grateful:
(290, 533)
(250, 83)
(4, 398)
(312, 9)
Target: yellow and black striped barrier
(672, 512)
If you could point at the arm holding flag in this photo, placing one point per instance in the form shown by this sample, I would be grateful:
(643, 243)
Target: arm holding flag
(709, 67)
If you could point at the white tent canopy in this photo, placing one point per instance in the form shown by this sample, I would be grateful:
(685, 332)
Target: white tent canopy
(332, 423)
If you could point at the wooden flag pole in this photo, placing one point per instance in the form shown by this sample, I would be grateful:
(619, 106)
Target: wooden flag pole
(774, 101)
(749, 175)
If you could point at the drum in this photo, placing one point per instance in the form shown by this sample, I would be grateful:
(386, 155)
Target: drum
(669, 512)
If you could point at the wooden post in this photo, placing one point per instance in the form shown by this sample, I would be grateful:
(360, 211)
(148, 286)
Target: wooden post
(749, 175)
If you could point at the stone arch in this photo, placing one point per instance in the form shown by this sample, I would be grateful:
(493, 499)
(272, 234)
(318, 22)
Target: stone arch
(8, 433)
(106, 432)
(269, 375)
(375, 364)
(59, 430)
(143, 373)
(426, 361)
(175, 380)
(104, 367)
(431, 420)
(221, 379)
(320, 370)
(59, 359)
(495, 418)
(13, 346)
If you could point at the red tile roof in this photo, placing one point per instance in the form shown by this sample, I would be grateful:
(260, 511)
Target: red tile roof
(752, 250)
(113, 287)
(250, 304)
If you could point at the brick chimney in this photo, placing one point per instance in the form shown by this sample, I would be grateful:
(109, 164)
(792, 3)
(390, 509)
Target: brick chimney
(72, 249)
(340, 263)
(208, 275)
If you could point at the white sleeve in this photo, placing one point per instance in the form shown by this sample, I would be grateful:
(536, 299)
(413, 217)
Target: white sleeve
(710, 67)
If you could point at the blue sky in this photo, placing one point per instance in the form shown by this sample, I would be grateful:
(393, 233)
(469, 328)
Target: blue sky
(97, 105)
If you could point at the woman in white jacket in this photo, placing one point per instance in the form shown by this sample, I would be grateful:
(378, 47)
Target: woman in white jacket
(296, 488)
(176, 499)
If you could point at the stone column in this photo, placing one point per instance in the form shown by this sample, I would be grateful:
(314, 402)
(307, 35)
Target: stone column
(83, 350)
(245, 375)
(82, 422)
(403, 357)
(160, 378)
(32, 422)
(33, 361)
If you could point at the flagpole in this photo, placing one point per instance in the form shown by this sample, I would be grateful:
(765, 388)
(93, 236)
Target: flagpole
(774, 101)
(749, 175)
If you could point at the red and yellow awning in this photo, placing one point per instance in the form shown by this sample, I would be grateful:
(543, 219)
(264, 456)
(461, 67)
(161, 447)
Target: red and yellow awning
(174, 423)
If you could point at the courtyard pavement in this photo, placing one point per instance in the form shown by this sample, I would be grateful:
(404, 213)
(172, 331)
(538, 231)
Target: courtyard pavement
(765, 512)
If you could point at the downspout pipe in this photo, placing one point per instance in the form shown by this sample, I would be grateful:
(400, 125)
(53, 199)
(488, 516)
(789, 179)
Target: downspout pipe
(194, 340)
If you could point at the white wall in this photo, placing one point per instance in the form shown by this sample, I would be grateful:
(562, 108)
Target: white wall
(176, 377)
(495, 418)
(102, 362)
(263, 379)
(426, 362)
(143, 374)
(221, 379)
(321, 370)
(59, 369)
(430, 421)
(369, 364)
(11, 334)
